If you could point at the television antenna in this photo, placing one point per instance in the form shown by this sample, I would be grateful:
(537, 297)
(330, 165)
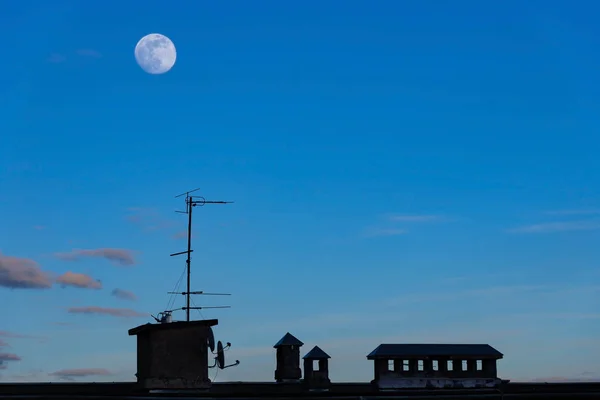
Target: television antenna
(190, 203)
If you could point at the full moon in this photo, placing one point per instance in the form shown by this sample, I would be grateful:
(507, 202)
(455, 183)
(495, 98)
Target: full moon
(155, 53)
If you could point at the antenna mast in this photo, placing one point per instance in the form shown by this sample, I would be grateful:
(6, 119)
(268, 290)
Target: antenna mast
(191, 202)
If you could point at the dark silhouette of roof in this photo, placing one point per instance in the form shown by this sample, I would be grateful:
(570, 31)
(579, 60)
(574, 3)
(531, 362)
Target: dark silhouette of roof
(288, 340)
(316, 354)
(433, 350)
(172, 325)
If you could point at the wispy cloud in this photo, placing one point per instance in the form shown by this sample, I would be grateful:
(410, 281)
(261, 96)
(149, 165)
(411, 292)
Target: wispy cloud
(89, 53)
(82, 281)
(14, 335)
(39, 227)
(113, 312)
(180, 235)
(3, 343)
(22, 273)
(355, 333)
(124, 294)
(507, 290)
(60, 323)
(326, 321)
(554, 227)
(394, 219)
(148, 219)
(567, 316)
(56, 58)
(122, 257)
(588, 211)
(7, 357)
(29, 376)
(375, 232)
(414, 218)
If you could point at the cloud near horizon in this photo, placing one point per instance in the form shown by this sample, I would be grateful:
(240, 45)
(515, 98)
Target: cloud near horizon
(77, 280)
(585, 376)
(7, 357)
(80, 372)
(123, 294)
(348, 353)
(349, 336)
(116, 256)
(113, 312)
(22, 273)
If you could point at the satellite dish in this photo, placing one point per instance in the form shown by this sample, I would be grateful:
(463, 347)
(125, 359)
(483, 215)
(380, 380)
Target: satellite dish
(220, 355)
(211, 340)
(220, 359)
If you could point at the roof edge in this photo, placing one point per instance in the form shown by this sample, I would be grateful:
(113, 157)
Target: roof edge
(171, 325)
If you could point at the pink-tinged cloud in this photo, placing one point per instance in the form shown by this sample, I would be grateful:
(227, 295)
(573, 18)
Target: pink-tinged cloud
(39, 227)
(22, 273)
(180, 235)
(9, 357)
(3, 343)
(80, 372)
(148, 219)
(14, 335)
(62, 323)
(89, 53)
(113, 312)
(82, 281)
(116, 256)
(124, 294)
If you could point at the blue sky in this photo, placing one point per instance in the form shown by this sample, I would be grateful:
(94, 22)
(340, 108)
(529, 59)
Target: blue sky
(401, 171)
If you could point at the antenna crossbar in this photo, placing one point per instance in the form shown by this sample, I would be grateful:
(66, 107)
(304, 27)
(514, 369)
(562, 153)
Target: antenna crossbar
(180, 253)
(202, 293)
